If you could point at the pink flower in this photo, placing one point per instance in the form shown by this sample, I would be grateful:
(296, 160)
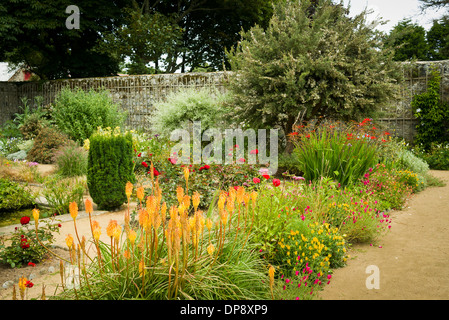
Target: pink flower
(256, 180)
(242, 160)
(172, 160)
(255, 151)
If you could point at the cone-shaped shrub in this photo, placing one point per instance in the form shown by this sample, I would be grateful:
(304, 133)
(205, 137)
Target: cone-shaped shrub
(110, 167)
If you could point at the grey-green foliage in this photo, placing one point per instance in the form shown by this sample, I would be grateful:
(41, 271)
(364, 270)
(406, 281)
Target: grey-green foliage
(79, 113)
(312, 59)
(410, 161)
(186, 106)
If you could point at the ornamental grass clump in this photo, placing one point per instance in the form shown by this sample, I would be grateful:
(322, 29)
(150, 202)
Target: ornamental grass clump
(337, 150)
(176, 252)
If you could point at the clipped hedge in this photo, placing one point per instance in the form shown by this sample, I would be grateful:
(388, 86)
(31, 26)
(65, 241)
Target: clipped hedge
(109, 167)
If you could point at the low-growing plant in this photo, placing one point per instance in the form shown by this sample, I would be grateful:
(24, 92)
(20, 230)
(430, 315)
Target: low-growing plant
(23, 247)
(13, 196)
(60, 192)
(71, 160)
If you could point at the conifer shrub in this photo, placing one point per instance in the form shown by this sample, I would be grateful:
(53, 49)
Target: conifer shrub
(109, 167)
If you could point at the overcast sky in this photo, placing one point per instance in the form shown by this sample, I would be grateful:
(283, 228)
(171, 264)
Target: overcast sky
(395, 11)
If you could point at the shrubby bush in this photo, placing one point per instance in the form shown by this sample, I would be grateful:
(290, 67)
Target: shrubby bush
(71, 160)
(45, 145)
(13, 196)
(186, 106)
(79, 113)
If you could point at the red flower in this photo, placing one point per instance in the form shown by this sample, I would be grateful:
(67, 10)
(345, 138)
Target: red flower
(255, 151)
(24, 220)
(206, 166)
(31, 264)
(144, 164)
(294, 133)
(155, 172)
(256, 180)
(276, 182)
(140, 154)
(29, 284)
(386, 133)
(266, 176)
(308, 136)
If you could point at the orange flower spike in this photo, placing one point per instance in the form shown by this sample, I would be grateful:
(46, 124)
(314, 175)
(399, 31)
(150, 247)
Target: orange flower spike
(180, 194)
(89, 206)
(209, 224)
(254, 198)
(196, 200)
(140, 193)
(186, 173)
(128, 189)
(95, 224)
(240, 194)
(271, 275)
(230, 205)
(142, 216)
(73, 209)
(221, 201)
(110, 228)
(186, 202)
(163, 211)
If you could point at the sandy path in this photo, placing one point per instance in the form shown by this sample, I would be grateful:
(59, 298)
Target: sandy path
(413, 260)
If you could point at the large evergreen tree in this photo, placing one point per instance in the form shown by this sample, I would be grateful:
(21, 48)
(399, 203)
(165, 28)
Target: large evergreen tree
(409, 41)
(438, 40)
(312, 60)
(34, 35)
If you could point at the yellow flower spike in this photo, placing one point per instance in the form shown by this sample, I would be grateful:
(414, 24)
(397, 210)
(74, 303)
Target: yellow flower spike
(210, 249)
(209, 224)
(181, 209)
(246, 198)
(221, 201)
(36, 215)
(128, 189)
(132, 235)
(140, 193)
(254, 197)
(230, 205)
(186, 173)
(240, 194)
(142, 216)
(116, 233)
(141, 267)
(163, 211)
(69, 241)
(89, 206)
(97, 232)
(271, 272)
(196, 200)
(73, 209)
(224, 217)
(180, 194)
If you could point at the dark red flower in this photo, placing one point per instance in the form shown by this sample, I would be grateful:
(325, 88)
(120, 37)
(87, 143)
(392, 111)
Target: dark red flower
(206, 166)
(24, 220)
(140, 154)
(155, 172)
(144, 164)
(29, 284)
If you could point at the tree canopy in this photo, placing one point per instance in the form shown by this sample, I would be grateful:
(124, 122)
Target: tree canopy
(312, 61)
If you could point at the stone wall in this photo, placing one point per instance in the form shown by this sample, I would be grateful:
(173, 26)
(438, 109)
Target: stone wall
(137, 94)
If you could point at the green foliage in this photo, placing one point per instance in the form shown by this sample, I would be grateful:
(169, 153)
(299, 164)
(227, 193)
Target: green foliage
(306, 65)
(408, 40)
(432, 114)
(23, 246)
(337, 151)
(45, 145)
(437, 156)
(186, 106)
(79, 113)
(408, 160)
(437, 38)
(13, 196)
(45, 46)
(60, 191)
(110, 167)
(31, 121)
(71, 160)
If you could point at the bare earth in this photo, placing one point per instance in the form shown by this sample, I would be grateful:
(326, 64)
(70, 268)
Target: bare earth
(413, 258)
